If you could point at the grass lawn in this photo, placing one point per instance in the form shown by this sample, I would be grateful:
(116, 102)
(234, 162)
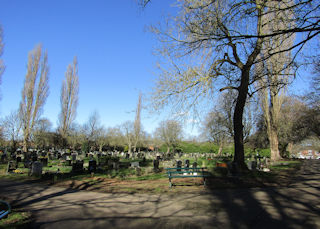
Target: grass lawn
(16, 219)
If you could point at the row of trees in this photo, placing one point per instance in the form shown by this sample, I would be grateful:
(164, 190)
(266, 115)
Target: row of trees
(27, 125)
(33, 97)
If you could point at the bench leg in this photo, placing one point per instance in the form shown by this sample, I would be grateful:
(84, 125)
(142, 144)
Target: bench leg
(170, 183)
(204, 182)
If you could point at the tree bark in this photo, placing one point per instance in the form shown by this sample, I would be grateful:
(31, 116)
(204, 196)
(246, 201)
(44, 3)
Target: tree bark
(237, 120)
(220, 149)
(25, 145)
(274, 142)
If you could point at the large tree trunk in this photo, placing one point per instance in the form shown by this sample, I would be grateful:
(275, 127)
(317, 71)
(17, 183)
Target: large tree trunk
(220, 148)
(25, 145)
(237, 121)
(129, 149)
(274, 143)
(290, 148)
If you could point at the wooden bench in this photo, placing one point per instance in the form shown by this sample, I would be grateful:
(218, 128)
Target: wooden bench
(7, 209)
(185, 172)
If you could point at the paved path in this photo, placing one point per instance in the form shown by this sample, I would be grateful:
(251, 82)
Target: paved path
(296, 206)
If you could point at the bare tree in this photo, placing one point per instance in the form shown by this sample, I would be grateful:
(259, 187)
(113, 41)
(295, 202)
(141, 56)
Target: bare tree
(41, 134)
(92, 128)
(274, 73)
(215, 129)
(226, 39)
(102, 139)
(127, 130)
(11, 127)
(170, 132)
(137, 125)
(114, 137)
(69, 98)
(75, 136)
(34, 92)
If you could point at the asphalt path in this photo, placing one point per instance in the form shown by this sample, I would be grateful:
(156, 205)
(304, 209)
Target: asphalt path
(295, 206)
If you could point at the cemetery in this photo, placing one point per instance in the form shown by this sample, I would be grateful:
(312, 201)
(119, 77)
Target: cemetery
(210, 119)
(173, 170)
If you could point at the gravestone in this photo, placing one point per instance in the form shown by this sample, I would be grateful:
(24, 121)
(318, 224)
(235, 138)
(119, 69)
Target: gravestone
(51, 156)
(77, 166)
(179, 165)
(44, 161)
(74, 156)
(43, 153)
(36, 168)
(92, 166)
(64, 156)
(144, 161)
(155, 165)
(13, 156)
(134, 164)
(34, 157)
(194, 165)
(115, 165)
(18, 159)
(12, 165)
(3, 157)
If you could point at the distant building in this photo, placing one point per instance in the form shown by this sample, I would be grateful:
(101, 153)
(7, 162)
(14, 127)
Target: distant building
(309, 154)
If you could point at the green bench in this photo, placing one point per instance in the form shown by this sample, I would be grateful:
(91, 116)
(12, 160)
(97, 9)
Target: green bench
(184, 172)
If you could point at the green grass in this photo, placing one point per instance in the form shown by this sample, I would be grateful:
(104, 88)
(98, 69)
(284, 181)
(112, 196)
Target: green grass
(285, 165)
(16, 219)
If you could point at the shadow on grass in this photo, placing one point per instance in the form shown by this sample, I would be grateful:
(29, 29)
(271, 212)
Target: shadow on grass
(290, 206)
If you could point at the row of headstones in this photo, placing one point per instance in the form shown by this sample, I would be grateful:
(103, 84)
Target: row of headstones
(35, 168)
(258, 163)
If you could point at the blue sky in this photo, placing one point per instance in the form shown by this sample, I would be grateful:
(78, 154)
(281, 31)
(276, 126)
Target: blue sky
(113, 47)
(110, 39)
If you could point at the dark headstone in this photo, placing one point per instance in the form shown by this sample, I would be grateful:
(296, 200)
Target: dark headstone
(18, 159)
(92, 166)
(77, 166)
(36, 169)
(156, 165)
(179, 164)
(34, 158)
(44, 161)
(12, 165)
(194, 165)
(74, 156)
